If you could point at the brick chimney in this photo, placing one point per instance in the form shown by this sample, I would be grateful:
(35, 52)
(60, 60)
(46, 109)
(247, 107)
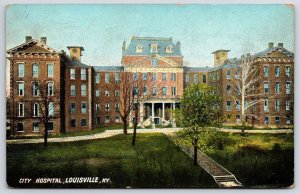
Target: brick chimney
(271, 44)
(280, 44)
(28, 38)
(44, 40)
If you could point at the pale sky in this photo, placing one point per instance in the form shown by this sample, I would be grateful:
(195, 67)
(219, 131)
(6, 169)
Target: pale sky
(201, 29)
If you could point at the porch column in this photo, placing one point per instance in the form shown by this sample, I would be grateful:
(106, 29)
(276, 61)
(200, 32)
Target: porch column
(152, 109)
(173, 105)
(141, 112)
(163, 111)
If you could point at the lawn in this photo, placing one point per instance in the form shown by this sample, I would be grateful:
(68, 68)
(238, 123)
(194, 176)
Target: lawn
(257, 160)
(155, 162)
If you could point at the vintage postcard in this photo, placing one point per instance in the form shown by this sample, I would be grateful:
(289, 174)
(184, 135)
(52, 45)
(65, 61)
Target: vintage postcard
(150, 96)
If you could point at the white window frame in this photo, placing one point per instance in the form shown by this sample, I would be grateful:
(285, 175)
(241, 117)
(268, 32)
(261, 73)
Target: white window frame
(35, 72)
(266, 89)
(107, 78)
(277, 105)
(173, 76)
(83, 91)
(36, 111)
(83, 107)
(72, 74)
(21, 73)
(23, 90)
(288, 73)
(72, 90)
(35, 128)
(51, 109)
(49, 86)
(266, 73)
(83, 74)
(164, 93)
(277, 89)
(173, 91)
(266, 105)
(97, 93)
(187, 78)
(277, 74)
(72, 111)
(107, 107)
(50, 73)
(21, 113)
(288, 89)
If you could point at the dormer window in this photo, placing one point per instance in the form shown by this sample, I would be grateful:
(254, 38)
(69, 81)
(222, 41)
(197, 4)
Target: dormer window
(169, 49)
(154, 48)
(139, 49)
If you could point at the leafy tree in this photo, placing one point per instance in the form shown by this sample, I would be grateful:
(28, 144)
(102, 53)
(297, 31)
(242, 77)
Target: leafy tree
(198, 112)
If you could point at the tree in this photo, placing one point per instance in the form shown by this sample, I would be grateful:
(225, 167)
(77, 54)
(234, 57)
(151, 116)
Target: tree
(43, 107)
(198, 112)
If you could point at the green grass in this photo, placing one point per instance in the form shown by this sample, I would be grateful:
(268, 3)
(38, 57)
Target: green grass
(155, 162)
(239, 127)
(257, 160)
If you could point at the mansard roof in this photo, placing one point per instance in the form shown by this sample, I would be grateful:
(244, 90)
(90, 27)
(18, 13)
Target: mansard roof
(32, 46)
(146, 42)
(107, 68)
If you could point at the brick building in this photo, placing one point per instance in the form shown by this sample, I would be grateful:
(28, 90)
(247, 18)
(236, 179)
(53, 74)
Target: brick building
(82, 102)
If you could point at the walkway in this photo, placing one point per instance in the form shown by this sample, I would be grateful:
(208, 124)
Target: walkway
(222, 176)
(105, 134)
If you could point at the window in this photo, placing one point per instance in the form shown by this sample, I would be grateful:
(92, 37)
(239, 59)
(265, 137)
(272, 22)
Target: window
(238, 118)
(83, 74)
(73, 122)
(50, 89)
(107, 107)
(117, 78)
(139, 49)
(35, 88)
(154, 91)
(50, 70)
(106, 78)
(277, 105)
(204, 78)
(117, 107)
(153, 48)
(20, 110)
(35, 110)
(145, 91)
(117, 119)
(83, 122)
(173, 76)
(20, 70)
(287, 71)
(35, 126)
(277, 71)
(72, 74)
(196, 79)
(50, 126)
(164, 91)
(267, 120)
(266, 71)
(51, 107)
(169, 49)
(83, 107)
(21, 88)
(287, 105)
(154, 62)
(117, 93)
(97, 79)
(288, 120)
(228, 89)
(153, 76)
(97, 93)
(35, 70)
(228, 105)
(144, 76)
(173, 91)
(135, 76)
(164, 77)
(236, 73)
(277, 87)
(288, 87)
(20, 127)
(187, 78)
(266, 87)
(83, 89)
(237, 105)
(228, 74)
(97, 108)
(106, 93)
(107, 119)
(277, 120)
(72, 89)
(135, 91)
(72, 107)
(266, 106)
(97, 120)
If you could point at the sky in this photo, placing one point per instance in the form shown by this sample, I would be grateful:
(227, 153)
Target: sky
(201, 29)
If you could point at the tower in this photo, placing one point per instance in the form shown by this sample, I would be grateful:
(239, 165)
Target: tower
(220, 56)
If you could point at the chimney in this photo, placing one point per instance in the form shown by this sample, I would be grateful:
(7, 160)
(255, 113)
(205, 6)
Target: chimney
(271, 44)
(44, 40)
(280, 44)
(248, 54)
(28, 38)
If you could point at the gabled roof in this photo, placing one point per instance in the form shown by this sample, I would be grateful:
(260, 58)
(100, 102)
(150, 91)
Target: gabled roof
(107, 68)
(268, 51)
(32, 46)
(146, 43)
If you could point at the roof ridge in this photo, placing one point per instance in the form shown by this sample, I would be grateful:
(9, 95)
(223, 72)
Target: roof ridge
(151, 38)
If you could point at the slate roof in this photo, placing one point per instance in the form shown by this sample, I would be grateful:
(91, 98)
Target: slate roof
(145, 42)
(270, 50)
(197, 69)
(77, 63)
(107, 68)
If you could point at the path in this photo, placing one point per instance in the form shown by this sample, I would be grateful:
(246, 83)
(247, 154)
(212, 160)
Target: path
(222, 176)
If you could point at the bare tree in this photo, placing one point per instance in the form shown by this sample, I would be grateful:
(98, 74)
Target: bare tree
(43, 107)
